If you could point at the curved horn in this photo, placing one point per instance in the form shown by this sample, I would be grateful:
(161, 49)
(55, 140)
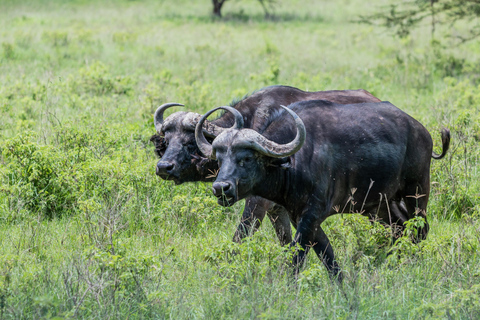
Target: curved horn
(258, 142)
(204, 146)
(158, 116)
(210, 129)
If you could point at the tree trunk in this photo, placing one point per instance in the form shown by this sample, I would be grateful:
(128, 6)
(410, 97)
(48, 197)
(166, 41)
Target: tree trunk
(265, 9)
(217, 7)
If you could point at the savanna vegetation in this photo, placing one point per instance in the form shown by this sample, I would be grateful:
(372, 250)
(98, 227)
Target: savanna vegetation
(88, 231)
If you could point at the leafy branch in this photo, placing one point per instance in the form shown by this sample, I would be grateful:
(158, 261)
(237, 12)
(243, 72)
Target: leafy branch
(410, 14)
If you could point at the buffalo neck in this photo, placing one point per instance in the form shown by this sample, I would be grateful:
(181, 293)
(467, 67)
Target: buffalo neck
(276, 186)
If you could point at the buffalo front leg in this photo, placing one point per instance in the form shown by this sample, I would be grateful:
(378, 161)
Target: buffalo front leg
(325, 253)
(311, 235)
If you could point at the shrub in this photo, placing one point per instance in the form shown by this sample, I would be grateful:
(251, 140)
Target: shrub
(96, 79)
(8, 50)
(55, 38)
(35, 174)
(54, 179)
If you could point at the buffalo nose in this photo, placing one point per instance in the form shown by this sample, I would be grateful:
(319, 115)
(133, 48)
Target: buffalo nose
(220, 188)
(164, 167)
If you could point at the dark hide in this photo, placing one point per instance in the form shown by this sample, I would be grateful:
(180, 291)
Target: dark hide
(181, 160)
(365, 157)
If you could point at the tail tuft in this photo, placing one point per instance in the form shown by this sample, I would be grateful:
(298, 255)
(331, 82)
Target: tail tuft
(445, 144)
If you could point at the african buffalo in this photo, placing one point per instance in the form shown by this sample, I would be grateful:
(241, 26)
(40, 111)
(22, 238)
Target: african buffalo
(368, 156)
(180, 157)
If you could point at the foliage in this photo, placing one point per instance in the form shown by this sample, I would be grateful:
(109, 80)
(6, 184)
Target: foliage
(411, 14)
(462, 195)
(97, 80)
(33, 178)
(53, 181)
(254, 260)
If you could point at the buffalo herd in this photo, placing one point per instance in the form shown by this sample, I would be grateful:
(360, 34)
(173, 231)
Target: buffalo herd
(299, 157)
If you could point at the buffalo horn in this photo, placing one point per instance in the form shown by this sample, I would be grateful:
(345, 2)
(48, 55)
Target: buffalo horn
(158, 116)
(204, 146)
(209, 128)
(256, 141)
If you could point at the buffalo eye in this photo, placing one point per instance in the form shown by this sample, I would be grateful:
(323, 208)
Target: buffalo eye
(244, 161)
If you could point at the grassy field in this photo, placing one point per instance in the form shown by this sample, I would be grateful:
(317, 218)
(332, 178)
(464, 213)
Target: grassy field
(88, 231)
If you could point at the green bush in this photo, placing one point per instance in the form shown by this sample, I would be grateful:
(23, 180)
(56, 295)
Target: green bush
(53, 179)
(8, 50)
(36, 176)
(96, 79)
(55, 38)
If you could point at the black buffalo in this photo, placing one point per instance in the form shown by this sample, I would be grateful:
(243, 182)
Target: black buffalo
(371, 156)
(181, 160)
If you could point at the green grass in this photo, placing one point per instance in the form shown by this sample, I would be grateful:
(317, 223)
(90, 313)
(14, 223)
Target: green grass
(88, 231)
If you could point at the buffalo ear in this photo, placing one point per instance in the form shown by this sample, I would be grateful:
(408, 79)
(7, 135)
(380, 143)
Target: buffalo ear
(159, 144)
(283, 163)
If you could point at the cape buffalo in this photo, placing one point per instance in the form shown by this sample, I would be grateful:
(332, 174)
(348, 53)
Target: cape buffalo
(368, 156)
(180, 157)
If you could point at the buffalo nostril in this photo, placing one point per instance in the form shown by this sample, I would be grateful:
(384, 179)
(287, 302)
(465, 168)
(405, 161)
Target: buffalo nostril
(220, 188)
(165, 167)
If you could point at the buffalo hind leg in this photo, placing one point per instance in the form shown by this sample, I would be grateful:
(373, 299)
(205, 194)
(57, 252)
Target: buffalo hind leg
(398, 216)
(393, 215)
(416, 200)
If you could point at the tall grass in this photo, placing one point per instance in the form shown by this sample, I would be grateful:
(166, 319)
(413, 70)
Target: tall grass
(88, 231)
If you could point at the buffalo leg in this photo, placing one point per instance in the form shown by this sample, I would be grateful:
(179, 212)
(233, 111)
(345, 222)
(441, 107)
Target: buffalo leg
(281, 222)
(253, 215)
(398, 216)
(393, 214)
(325, 253)
(416, 200)
(310, 234)
(320, 243)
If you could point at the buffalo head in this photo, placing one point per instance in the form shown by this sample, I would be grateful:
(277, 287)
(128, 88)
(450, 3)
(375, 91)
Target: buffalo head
(244, 156)
(175, 145)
